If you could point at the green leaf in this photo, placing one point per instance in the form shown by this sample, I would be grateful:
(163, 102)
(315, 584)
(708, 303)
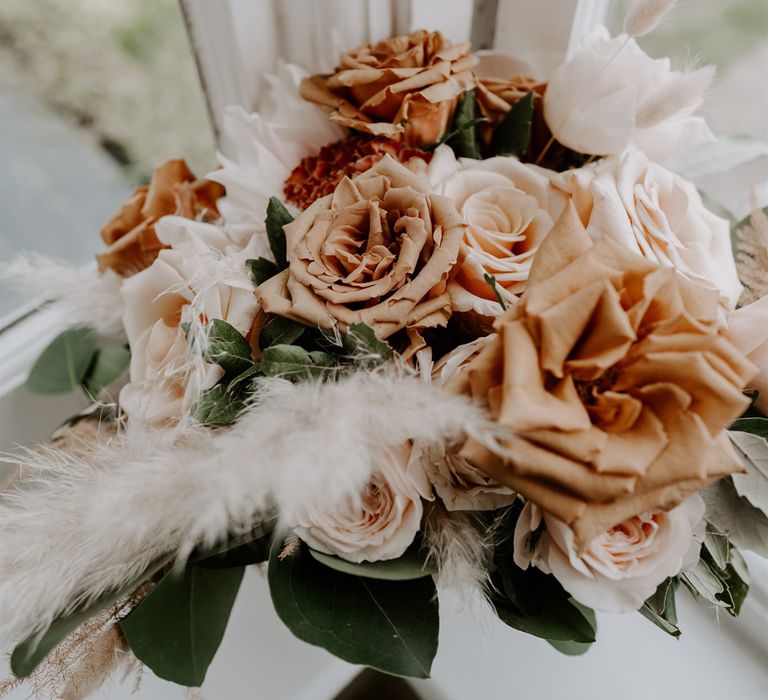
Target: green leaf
(463, 139)
(661, 607)
(391, 626)
(178, 627)
(752, 447)
(228, 348)
(491, 281)
(754, 426)
(409, 566)
(280, 331)
(261, 270)
(570, 648)
(277, 217)
(28, 654)
(249, 548)
(513, 134)
(217, 406)
(295, 363)
(62, 366)
(734, 516)
(242, 382)
(107, 366)
(361, 344)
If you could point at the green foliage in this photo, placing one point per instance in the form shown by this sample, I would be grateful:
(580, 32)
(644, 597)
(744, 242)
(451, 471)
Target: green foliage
(261, 270)
(463, 137)
(243, 550)
(108, 364)
(361, 344)
(227, 348)
(218, 406)
(29, 653)
(410, 566)
(63, 365)
(720, 577)
(491, 281)
(176, 630)
(734, 516)
(280, 331)
(297, 364)
(752, 425)
(661, 608)
(513, 134)
(391, 626)
(277, 217)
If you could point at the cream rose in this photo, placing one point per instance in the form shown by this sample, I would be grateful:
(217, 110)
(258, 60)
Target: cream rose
(611, 93)
(201, 272)
(382, 522)
(380, 250)
(619, 569)
(656, 214)
(748, 331)
(507, 207)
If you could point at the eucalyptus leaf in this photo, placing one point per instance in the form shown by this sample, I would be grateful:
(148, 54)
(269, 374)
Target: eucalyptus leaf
(513, 134)
(261, 270)
(228, 348)
(463, 139)
(63, 365)
(570, 648)
(409, 566)
(734, 516)
(661, 607)
(296, 363)
(280, 331)
(177, 629)
(391, 626)
(277, 217)
(753, 449)
(704, 583)
(108, 364)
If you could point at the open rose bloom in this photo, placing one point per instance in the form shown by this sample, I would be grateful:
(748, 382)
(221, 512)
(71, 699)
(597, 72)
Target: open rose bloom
(436, 320)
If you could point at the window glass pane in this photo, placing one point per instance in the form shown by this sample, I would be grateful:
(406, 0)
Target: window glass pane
(93, 93)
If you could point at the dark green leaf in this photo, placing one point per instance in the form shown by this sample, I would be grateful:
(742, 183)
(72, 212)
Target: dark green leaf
(570, 648)
(261, 270)
(391, 626)
(406, 568)
(178, 627)
(754, 426)
(295, 363)
(361, 344)
(107, 366)
(246, 549)
(513, 134)
(277, 217)
(280, 331)
(463, 140)
(242, 382)
(491, 280)
(661, 608)
(29, 653)
(228, 348)
(734, 587)
(217, 406)
(62, 366)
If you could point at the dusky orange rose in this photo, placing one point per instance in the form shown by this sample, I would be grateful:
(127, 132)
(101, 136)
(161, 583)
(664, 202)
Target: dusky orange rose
(404, 88)
(612, 383)
(379, 250)
(130, 233)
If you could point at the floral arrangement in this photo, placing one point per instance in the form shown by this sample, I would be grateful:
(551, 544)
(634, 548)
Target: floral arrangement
(434, 322)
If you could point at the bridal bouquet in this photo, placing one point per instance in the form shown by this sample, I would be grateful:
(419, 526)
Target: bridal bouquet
(434, 322)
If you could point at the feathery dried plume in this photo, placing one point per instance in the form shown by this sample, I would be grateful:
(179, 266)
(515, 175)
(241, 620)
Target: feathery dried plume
(752, 257)
(683, 93)
(84, 295)
(644, 16)
(91, 524)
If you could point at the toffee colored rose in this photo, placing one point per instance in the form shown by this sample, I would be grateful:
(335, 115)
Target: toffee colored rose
(621, 567)
(612, 383)
(403, 88)
(383, 522)
(379, 250)
(130, 233)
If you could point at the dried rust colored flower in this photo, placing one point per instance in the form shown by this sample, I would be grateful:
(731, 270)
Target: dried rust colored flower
(316, 176)
(130, 233)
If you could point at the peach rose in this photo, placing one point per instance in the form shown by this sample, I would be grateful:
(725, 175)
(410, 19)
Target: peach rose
(506, 205)
(620, 568)
(611, 382)
(188, 277)
(130, 233)
(459, 484)
(656, 214)
(404, 88)
(379, 250)
(748, 331)
(382, 523)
